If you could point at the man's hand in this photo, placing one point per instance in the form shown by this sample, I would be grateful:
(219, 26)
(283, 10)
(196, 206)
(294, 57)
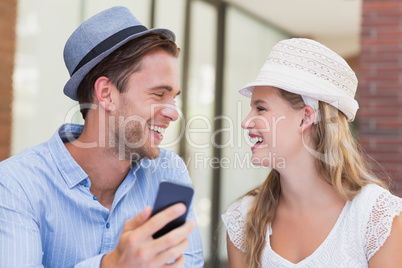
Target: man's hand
(137, 248)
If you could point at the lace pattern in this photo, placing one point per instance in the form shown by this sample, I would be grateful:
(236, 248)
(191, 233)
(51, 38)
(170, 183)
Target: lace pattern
(316, 60)
(378, 229)
(235, 219)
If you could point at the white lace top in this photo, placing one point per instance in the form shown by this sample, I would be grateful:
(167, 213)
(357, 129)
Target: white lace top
(361, 229)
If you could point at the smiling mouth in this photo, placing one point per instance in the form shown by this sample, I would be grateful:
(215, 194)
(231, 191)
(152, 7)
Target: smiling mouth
(156, 129)
(256, 140)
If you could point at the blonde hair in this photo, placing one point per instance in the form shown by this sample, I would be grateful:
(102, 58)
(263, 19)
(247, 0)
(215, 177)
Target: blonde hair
(341, 165)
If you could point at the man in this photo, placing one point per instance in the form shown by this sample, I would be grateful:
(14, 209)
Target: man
(71, 201)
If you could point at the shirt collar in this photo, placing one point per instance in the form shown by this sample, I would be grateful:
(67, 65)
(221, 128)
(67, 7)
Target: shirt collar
(72, 173)
(70, 170)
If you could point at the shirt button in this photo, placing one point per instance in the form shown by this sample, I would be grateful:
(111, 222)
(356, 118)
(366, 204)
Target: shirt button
(107, 225)
(95, 198)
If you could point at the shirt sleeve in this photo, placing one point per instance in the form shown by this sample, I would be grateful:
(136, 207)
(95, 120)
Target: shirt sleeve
(194, 253)
(20, 241)
(235, 220)
(382, 214)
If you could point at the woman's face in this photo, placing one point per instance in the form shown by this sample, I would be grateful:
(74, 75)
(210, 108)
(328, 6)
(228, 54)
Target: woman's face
(274, 128)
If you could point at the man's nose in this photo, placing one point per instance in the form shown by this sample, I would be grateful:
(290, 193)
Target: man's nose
(170, 111)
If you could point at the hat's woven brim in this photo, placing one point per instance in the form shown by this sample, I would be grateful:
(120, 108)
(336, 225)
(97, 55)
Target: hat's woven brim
(298, 82)
(70, 89)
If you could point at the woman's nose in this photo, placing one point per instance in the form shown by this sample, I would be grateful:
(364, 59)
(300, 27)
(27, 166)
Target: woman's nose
(248, 122)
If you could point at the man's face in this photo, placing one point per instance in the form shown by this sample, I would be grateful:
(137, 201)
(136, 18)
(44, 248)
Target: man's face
(147, 106)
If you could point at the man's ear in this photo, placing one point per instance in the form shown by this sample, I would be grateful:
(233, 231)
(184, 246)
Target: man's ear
(307, 118)
(103, 93)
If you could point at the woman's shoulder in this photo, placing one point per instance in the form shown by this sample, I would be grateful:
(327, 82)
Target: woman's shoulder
(374, 203)
(377, 208)
(242, 205)
(235, 218)
(236, 213)
(374, 196)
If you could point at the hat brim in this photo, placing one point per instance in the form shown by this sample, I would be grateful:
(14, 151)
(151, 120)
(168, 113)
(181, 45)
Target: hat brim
(298, 82)
(70, 89)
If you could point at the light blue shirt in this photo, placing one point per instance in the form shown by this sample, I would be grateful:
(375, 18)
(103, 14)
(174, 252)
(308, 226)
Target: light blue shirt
(49, 217)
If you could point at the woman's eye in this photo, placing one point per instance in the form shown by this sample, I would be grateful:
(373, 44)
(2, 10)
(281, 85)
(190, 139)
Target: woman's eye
(260, 109)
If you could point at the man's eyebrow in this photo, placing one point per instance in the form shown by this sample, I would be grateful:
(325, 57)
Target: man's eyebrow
(167, 88)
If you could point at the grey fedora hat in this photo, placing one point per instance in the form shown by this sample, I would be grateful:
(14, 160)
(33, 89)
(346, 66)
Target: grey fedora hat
(96, 38)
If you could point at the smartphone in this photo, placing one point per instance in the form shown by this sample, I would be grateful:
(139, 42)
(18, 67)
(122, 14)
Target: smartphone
(169, 194)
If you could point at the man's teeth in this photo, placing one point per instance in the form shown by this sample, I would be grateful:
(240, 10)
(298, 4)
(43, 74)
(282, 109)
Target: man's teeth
(157, 129)
(255, 139)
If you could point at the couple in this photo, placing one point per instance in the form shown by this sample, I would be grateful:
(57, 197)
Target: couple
(71, 201)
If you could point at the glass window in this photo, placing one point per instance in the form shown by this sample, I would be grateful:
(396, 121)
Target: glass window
(248, 42)
(171, 15)
(199, 121)
(39, 105)
(140, 8)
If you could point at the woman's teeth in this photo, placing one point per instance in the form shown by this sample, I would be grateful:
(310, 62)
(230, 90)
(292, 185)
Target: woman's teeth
(157, 129)
(255, 139)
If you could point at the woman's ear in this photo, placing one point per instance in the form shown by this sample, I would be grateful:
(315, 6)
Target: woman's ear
(103, 93)
(307, 118)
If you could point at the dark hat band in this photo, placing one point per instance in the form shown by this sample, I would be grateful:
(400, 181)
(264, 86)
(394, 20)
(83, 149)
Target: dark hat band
(109, 43)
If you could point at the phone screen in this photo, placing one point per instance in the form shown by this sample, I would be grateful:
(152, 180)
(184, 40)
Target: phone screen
(169, 194)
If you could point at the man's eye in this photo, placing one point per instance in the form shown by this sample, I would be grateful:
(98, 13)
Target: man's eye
(158, 94)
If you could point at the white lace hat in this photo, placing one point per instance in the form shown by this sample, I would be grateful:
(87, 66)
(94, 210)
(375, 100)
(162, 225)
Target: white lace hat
(308, 68)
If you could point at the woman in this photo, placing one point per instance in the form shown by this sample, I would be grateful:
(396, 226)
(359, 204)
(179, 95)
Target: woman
(320, 206)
